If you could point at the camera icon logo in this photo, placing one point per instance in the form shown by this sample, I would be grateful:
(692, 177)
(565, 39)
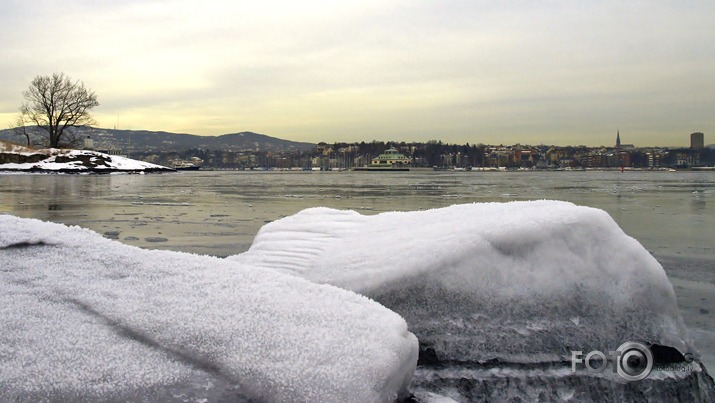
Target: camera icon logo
(632, 361)
(635, 361)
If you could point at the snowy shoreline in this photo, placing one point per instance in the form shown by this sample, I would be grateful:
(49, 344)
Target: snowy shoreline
(15, 158)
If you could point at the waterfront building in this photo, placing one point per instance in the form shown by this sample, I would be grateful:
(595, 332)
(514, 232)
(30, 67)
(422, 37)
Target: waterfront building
(697, 141)
(391, 157)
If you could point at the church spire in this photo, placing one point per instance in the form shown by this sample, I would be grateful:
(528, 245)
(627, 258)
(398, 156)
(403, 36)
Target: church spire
(618, 139)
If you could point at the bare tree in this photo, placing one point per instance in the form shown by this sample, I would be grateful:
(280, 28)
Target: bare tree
(54, 103)
(21, 130)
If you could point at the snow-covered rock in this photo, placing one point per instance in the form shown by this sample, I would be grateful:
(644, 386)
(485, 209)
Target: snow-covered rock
(494, 291)
(86, 318)
(16, 158)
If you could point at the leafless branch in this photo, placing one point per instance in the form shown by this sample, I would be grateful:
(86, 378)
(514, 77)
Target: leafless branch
(55, 103)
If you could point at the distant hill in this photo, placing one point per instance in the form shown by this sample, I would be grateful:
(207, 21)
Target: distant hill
(129, 141)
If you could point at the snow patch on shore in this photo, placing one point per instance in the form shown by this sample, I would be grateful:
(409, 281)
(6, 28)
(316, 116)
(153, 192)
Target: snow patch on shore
(74, 160)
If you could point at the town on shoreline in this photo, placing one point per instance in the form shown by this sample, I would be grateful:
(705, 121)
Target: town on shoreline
(252, 151)
(438, 155)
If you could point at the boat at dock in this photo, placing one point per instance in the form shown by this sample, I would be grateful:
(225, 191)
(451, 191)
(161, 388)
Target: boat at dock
(185, 166)
(191, 164)
(390, 160)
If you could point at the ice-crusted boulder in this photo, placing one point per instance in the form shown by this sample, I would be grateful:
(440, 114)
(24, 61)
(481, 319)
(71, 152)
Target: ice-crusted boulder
(499, 294)
(86, 318)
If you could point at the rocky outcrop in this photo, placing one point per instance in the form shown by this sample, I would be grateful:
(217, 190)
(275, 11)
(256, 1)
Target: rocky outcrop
(86, 160)
(73, 161)
(14, 158)
(525, 383)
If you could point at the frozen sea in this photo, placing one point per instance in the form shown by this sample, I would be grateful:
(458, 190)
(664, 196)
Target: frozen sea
(219, 212)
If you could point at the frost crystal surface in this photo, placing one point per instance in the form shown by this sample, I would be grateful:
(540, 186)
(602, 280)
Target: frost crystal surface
(86, 318)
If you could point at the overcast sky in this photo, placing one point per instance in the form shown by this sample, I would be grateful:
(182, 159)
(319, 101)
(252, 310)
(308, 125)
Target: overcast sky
(530, 72)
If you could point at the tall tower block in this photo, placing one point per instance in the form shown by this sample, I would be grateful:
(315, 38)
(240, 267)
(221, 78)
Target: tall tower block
(697, 141)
